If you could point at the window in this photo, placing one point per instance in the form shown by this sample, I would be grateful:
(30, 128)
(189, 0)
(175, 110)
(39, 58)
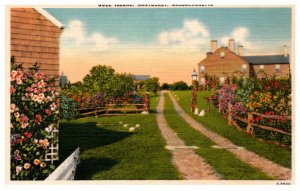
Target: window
(277, 67)
(261, 67)
(222, 54)
(222, 80)
(202, 68)
(244, 67)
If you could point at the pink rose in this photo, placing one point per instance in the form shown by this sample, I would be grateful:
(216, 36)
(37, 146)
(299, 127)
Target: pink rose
(43, 164)
(18, 169)
(19, 81)
(27, 166)
(36, 162)
(17, 114)
(12, 107)
(24, 125)
(44, 143)
(12, 89)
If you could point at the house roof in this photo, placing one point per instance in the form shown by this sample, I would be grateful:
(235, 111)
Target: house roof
(141, 77)
(267, 59)
(49, 17)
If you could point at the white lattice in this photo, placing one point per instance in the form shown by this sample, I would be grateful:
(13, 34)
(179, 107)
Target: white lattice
(52, 155)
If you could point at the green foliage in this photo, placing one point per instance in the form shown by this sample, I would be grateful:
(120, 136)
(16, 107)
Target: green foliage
(68, 108)
(165, 86)
(181, 85)
(152, 85)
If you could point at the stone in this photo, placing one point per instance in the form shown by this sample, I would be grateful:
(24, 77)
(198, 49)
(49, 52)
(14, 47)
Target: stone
(202, 113)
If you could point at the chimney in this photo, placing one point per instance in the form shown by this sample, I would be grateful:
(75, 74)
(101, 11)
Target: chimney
(214, 45)
(240, 50)
(231, 45)
(285, 51)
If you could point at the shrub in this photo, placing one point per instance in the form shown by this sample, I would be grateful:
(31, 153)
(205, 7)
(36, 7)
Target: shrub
(68, 108)
(181, 85)
(33, 111)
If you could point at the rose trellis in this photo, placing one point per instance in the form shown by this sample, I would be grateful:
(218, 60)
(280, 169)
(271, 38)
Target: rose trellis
(33, 127)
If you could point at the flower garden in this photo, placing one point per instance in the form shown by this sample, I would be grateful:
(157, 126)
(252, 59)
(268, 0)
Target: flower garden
(269, 100)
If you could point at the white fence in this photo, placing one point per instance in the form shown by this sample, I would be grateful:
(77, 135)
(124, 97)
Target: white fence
(66, 170)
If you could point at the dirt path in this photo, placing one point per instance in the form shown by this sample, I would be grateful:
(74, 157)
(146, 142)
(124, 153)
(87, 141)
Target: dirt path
(268, 167)
(189, 164)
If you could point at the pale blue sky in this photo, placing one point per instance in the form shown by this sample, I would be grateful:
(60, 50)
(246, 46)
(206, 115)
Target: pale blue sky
(164, 41)
(141, 26)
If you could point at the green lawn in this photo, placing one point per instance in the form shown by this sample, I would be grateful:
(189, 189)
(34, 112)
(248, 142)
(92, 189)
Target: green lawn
(224, 162)
(216, 122)
(110, 152)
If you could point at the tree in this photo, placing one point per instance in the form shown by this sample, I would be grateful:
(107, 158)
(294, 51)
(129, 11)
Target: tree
(165, 86)
(152, 85)
(100, 78)
(181, 85)
(104, 79)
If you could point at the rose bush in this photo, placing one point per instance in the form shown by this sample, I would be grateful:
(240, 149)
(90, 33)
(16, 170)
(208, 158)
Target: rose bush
(33, 110)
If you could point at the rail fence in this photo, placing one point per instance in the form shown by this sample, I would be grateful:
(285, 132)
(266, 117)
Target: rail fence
(111, 110)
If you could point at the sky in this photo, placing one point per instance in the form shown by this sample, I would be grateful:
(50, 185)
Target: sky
(163, 42)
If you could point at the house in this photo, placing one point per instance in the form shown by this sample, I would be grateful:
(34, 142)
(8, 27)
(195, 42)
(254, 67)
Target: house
(224, 62)
(34, 37)
(139, 80)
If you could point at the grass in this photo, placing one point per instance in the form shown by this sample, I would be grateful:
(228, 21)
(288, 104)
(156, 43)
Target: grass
(216, 122)
(224, 162)
(110, 152)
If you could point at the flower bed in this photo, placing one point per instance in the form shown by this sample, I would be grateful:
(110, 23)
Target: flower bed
(33, 110)
(268, 99)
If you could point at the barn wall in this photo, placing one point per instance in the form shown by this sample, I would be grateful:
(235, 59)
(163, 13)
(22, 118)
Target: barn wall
(35, 39)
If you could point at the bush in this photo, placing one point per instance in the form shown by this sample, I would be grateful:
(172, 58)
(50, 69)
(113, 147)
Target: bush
(165, 86)
(181, 85)
(33, 111)
(68, 108)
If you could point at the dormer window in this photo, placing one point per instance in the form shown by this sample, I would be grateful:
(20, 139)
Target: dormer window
(261, 66)
(222, 54)
(277, 67)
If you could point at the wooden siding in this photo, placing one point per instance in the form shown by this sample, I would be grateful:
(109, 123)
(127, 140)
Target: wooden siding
(35, 39)
(221, 67)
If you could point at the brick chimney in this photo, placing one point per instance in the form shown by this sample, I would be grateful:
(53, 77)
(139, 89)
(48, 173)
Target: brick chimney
(285, 53)
(214, 45)
(240, 50)
(231, 45)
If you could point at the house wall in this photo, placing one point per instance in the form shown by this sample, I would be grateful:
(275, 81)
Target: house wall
(270, 70)
(215, 65)
(35, 39)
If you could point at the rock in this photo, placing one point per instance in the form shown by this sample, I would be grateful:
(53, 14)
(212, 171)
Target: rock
(120, 122)
(202, 113)
(137, 125)
(196, 112)
(125, 125)
(131, 129)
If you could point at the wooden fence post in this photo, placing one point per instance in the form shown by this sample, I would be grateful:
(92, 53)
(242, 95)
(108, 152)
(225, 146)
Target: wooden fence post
(249, 126)
(229, 114)
(96, 113)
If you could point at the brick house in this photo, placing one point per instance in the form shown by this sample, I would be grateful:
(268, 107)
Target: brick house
(34, 37)
(224, 62)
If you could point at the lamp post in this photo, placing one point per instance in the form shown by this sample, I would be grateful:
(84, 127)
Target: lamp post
(194, 91)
